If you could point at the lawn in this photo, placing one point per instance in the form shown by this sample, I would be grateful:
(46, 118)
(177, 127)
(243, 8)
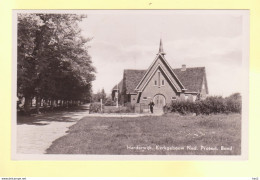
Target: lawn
(168, 134)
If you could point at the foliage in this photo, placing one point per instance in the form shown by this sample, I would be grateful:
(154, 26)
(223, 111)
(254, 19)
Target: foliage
(130, 107)
(110, 102)
(234, 103)
(99, 95)
(211, 105)
(95, 107)
(53, 59)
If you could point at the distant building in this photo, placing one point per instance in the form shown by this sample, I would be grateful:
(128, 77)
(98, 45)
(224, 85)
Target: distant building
(161, 83)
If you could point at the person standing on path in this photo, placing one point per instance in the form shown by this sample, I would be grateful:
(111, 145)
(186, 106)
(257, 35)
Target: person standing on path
(151, 104)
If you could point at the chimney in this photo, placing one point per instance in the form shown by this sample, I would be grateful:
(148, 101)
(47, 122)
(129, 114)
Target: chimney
(183, 68)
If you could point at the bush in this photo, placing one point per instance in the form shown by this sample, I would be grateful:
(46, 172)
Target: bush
(214, 104)
(234, 103)
(211, 105)
(129, 107)
(95, 107)
(109, 102)
(182, 107)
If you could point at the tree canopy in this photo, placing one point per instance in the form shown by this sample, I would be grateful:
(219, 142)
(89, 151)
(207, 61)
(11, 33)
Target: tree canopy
(53, 60)
(99, 95)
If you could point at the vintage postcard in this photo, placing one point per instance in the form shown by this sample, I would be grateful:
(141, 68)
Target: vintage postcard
(130, 84)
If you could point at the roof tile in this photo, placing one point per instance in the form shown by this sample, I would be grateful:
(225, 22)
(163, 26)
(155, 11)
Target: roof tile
(191, 78)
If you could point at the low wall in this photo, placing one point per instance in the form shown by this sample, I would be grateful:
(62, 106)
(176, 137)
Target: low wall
(141, 108)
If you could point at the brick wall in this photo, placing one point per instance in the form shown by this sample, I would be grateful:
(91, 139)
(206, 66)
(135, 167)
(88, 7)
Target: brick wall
(162, 64)
(151, 89)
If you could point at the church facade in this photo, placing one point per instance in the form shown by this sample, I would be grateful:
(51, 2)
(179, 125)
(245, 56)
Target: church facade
(161, 84)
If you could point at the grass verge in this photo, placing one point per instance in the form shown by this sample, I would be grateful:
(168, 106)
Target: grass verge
(168, 134)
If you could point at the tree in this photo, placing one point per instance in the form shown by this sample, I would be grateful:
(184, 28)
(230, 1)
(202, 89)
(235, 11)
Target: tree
(103, 94)
(99, 95)
(53, 59)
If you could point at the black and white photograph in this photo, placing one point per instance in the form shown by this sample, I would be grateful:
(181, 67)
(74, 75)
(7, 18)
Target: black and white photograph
(130, 84)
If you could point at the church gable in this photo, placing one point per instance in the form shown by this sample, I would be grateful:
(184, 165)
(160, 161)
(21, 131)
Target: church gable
(139, 86)
(159, 77)
(158, 84)
(160, 62)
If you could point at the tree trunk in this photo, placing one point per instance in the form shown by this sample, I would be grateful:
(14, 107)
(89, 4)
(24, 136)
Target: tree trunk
(38, 103)
(52, 102)
(27, 105)
(45, 104)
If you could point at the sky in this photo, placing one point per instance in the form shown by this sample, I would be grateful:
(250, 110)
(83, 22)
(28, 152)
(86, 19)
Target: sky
(128, 39)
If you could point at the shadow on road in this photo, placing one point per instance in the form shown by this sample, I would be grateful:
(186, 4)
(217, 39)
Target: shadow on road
(46, 118)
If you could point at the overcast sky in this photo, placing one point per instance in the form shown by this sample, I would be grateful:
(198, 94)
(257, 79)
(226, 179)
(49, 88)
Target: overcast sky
(130, 40)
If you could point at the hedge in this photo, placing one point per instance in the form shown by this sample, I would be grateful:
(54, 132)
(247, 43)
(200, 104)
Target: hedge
(211, 105)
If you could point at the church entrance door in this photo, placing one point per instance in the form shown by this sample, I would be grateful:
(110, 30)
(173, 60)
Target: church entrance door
(159, 101)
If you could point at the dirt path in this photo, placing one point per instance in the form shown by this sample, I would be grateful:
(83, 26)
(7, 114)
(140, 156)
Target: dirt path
(34, 137)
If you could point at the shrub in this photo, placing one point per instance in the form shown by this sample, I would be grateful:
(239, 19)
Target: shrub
(129, 107)
(95, 107)
(214, 104)
(110, 102)
(234, 103)
(211, 105)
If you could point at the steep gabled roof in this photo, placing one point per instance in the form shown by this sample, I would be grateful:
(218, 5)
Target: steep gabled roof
(132, 78)
(157, 63)
(191, 78)
(160, 62)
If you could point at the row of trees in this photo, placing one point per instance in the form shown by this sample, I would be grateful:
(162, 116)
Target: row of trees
(53, 62)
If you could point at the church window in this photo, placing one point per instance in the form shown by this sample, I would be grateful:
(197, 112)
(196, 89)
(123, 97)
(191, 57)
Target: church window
(163, 82)
(159, 80)
(155, 82)
(144, 98)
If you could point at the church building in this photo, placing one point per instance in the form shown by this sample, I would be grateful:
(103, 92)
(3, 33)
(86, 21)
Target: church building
(161, 84)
